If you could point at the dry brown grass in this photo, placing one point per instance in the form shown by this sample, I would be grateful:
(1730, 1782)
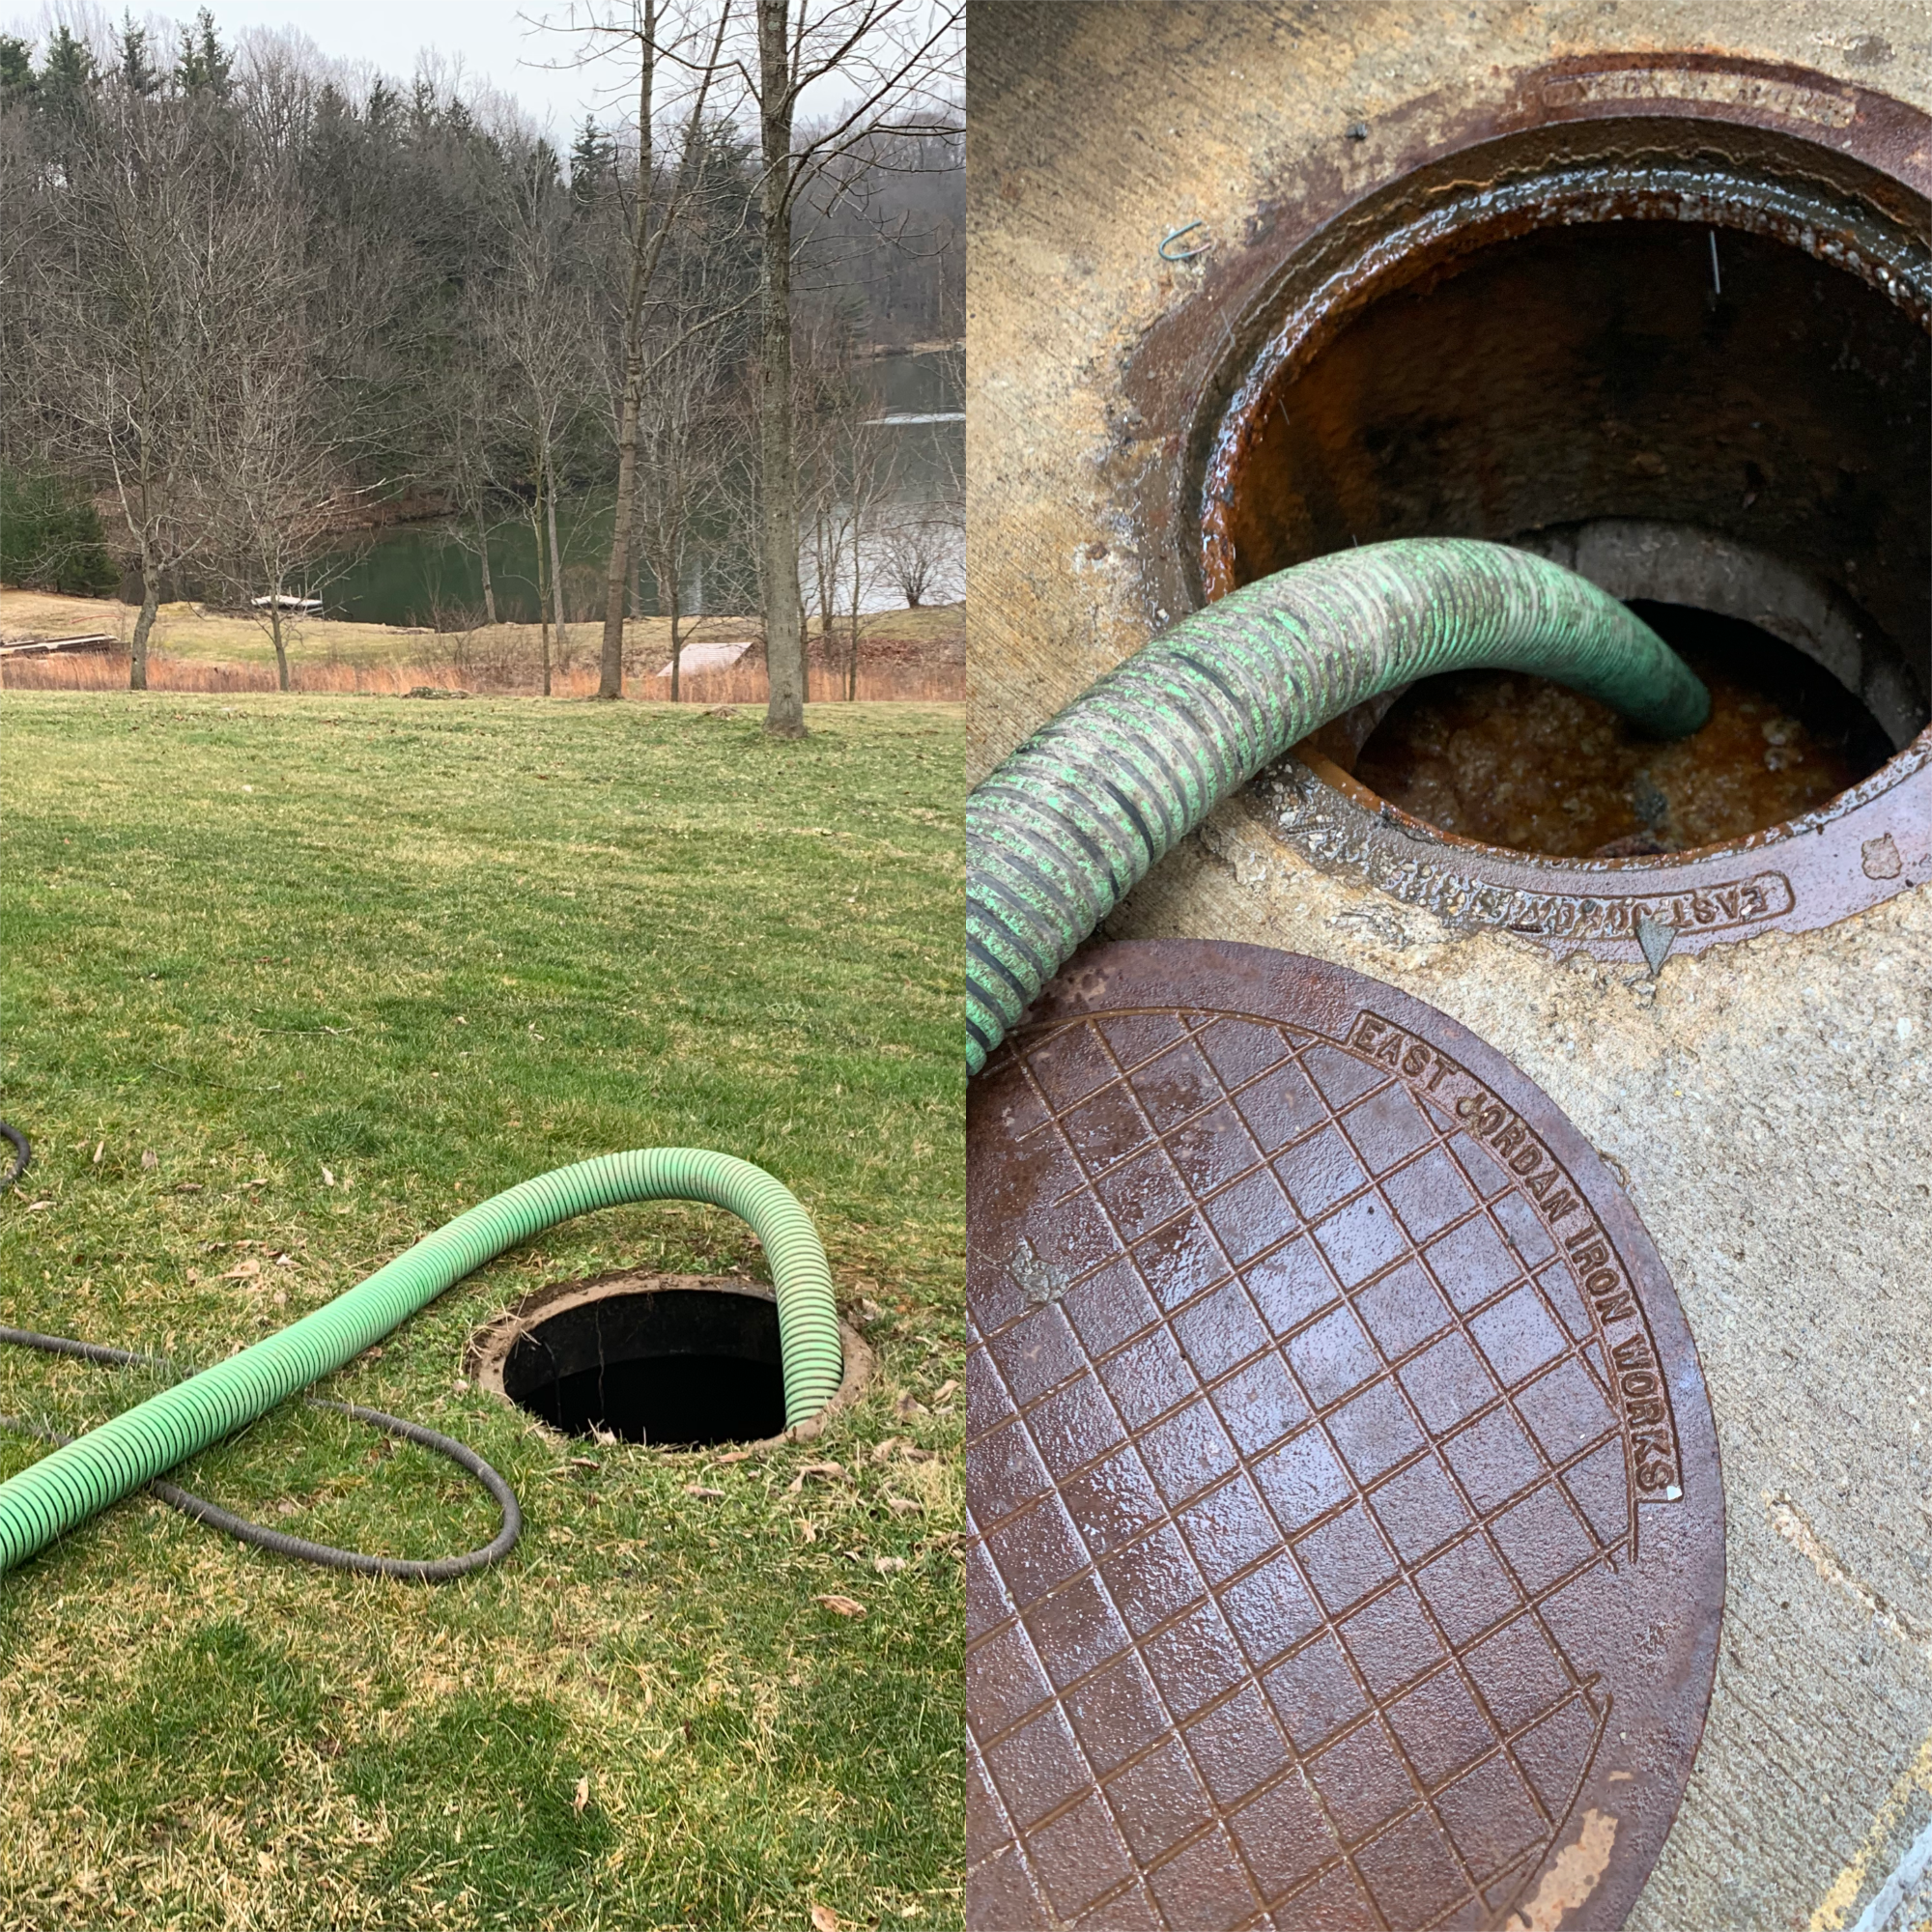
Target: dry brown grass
(739, 685)
(914, 655)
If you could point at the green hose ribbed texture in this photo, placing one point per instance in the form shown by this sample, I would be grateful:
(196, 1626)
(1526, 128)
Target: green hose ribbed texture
(118, 1458)
(1063, 831)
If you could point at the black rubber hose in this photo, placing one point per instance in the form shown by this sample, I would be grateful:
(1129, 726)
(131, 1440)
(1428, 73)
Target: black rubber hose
(441, 1569)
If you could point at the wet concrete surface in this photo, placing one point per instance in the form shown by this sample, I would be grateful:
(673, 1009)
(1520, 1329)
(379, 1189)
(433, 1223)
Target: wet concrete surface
(1771, 1104)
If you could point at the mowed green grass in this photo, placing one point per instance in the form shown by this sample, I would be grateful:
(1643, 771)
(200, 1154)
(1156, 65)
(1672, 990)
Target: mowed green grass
(429, 950)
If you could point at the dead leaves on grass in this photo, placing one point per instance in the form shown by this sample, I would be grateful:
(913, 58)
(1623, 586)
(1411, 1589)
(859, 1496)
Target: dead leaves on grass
(249, 1266)
(825, 1471)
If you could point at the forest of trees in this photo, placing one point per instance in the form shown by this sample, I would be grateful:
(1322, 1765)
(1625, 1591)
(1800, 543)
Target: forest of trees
(248, 303)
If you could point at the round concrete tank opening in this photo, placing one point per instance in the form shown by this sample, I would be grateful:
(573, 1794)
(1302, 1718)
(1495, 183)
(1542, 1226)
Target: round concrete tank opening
(1691, 362)
(678, 1361)
(673, 1367)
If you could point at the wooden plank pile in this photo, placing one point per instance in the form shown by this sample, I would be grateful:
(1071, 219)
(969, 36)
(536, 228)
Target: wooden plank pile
(44, 648)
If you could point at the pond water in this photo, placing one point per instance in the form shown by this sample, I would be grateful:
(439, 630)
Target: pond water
(420, 574)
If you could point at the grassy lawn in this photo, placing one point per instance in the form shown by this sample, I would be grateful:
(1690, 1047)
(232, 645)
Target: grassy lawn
(428, 949)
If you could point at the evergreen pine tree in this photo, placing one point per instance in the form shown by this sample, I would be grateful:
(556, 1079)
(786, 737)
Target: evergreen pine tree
(67, 75)
(204, 66)
(138, 74)
(17, 67)
(593, 157)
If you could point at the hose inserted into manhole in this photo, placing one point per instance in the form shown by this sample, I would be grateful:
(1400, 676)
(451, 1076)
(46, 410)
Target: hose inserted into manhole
(1060, 834)
(86, 1475)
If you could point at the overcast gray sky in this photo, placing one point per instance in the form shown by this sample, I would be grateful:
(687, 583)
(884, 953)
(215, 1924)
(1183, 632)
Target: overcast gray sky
(493, 39)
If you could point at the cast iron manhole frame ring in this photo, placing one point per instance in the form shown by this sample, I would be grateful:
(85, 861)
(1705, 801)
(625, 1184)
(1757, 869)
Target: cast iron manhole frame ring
(488, 1346)
(1181, 386)
(1666, 1602)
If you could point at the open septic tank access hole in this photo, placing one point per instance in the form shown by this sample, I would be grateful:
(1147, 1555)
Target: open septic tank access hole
(1645, 365)
(1686, 355)
(676, 1361)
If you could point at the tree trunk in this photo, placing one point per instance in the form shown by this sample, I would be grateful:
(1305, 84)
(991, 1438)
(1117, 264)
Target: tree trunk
(483, 552)
(610, 663)
(825, 567)
(674, 645)
(151, 599)
(543, 579)
(275, 631)
(852, 661)
(611, 659)
(556, 580)
(784, 640)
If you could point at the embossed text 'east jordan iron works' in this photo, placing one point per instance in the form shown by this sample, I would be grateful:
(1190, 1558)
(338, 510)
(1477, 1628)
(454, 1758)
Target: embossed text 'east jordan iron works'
(1346, 1540)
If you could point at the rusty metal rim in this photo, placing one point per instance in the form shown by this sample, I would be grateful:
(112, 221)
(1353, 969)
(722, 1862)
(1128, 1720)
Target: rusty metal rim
(1459, 224)
(1863, 156)
(488, 1348)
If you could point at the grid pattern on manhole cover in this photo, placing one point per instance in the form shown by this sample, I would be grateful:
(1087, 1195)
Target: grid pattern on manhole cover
(1276, 1461)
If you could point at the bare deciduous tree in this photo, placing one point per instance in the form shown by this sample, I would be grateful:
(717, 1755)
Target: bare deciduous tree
(917, 550)
(539, 326)
(663, 39)
(846, 473)
(683, 431)
(451, 272)
(271, 484)
(152, 273)
(271, 487)
(891, 57)
(468, 413)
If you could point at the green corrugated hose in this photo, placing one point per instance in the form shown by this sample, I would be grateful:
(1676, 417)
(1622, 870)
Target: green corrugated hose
(121, 1456)
(1060, 834)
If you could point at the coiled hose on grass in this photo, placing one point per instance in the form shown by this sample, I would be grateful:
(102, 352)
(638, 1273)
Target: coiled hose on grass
(277, 1542)
(1060, 834)
(86, 1474)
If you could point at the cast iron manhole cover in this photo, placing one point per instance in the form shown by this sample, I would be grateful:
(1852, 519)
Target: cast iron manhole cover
(1347, 1543)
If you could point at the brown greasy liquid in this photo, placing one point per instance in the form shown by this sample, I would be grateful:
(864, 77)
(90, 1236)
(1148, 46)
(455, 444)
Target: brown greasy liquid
(1522, 762)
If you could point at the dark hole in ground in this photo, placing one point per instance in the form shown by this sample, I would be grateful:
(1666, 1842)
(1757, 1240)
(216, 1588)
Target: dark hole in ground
(675, 1366)
(1522, 762)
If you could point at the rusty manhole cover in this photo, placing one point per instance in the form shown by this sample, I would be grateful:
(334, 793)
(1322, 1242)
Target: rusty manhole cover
(1346, 1536)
